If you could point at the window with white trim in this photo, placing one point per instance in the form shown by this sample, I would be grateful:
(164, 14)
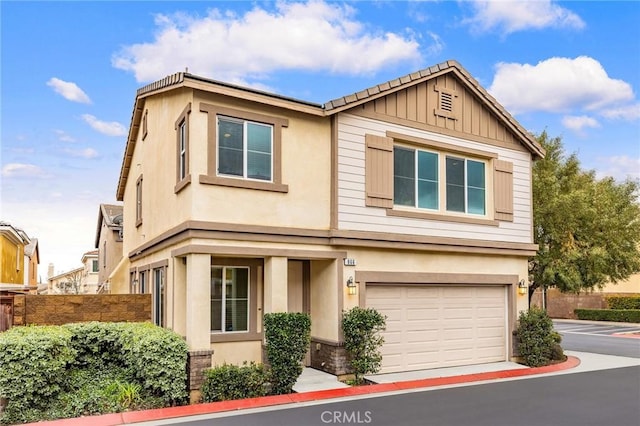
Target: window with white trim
(245, 149)
(229, 299)
(159, 304)
(418, 181)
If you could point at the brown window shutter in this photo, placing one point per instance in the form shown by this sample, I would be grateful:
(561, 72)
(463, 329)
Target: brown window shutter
(503, 188)
(379, 171)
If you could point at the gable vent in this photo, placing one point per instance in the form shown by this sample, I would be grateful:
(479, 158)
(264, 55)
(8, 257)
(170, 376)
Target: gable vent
(446, 102)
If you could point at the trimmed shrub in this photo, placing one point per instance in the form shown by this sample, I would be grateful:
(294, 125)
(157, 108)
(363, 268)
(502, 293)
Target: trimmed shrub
(97, 344)
(159, 359)
(233, 382)
(623, 302)
(361, 328)
(536, 337)
(288, 335)
(615, 315)
(34, 360)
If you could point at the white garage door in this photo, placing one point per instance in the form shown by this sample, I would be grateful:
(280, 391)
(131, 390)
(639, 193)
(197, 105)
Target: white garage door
(434, 327)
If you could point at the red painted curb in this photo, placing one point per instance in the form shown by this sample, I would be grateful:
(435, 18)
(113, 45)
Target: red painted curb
(627, 335)
(217, 407)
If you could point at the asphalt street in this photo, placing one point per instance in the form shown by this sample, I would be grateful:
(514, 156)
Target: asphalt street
(599, 338)
(605, 397)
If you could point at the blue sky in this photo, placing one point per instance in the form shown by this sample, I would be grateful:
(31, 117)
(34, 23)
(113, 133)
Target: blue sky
(69, 72)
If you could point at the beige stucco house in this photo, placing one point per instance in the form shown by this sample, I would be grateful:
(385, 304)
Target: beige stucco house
(81, 280)
(108, 242)
(412, 197)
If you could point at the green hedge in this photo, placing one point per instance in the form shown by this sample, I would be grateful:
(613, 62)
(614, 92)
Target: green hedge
(287, 335)
(51, 372)
(235, 382)
(616, 315)
(34, 360)
(623, 302)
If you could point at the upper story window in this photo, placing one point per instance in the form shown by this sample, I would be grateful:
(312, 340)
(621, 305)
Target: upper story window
(139, 201)
(417, 181)
(245, 149)
(94, 265)
(420, 178)
(183, 178)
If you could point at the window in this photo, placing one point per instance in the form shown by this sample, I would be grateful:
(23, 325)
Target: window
(139, 201)
(417, 181)
(465, 186)
(104, 254)
(244, 149)
(142, 282)
(133, 283)
(182, 149)
(144, 124)
(229, 299)
(94, 266)
(158, 297)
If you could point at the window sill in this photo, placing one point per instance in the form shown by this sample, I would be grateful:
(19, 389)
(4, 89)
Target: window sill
(235, 337)
(181, 184)
(241, 183)
(442, 217)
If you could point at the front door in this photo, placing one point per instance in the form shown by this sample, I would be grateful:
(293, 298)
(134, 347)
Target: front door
(298, 292)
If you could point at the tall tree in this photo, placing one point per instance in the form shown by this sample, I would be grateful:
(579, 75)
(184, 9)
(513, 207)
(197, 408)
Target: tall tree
(588, 230)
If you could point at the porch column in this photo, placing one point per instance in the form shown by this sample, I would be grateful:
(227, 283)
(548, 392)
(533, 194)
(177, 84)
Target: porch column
(275, 284)
(198, 302)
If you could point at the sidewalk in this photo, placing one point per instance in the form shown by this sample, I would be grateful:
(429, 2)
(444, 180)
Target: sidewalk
(408, 383)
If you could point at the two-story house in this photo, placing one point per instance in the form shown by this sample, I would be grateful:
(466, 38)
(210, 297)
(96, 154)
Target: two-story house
(81, 280)
(412, 197)
(108, 242)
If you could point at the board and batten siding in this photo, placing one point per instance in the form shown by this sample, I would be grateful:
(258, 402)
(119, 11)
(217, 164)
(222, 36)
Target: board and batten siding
(354, 215)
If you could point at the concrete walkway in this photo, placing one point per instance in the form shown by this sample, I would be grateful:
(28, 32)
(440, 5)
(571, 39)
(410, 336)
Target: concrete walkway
(314, 380)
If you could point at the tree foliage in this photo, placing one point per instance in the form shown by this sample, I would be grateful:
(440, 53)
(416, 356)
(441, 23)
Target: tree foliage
(362, 340)
(587, 229)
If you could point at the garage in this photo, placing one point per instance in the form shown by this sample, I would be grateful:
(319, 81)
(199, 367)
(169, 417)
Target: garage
(440, 326)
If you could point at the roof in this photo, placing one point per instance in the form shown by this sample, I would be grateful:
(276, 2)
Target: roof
(380, 90)
(183, 79)
(32, 248)
(15, 234)
(63, 274)
(111, 214)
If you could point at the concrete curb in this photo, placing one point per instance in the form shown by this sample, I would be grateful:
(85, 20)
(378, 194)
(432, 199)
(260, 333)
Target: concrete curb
(218, 407)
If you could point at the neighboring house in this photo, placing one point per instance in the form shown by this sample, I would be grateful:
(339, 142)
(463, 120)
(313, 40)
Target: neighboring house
(109, 243)
(16, 250)
(82, 280)
(31, 261)
(412, 197)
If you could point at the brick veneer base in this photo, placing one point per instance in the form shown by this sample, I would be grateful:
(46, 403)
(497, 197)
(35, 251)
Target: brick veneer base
(330, 357)
(197, 363)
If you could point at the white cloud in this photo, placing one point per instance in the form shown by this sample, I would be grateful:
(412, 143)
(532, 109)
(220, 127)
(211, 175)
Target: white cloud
(578, 123)
(557, 85)
(69, 90)
(12, 170)
(509, 16)
(110, 128)
(627, 112)
(297, 36)
(437, 44)
(63, 136)
(619, 167)
(87, 153)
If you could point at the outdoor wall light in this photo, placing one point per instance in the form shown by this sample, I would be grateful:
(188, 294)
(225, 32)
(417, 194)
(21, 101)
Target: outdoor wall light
(351, 286)
(522, 287)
